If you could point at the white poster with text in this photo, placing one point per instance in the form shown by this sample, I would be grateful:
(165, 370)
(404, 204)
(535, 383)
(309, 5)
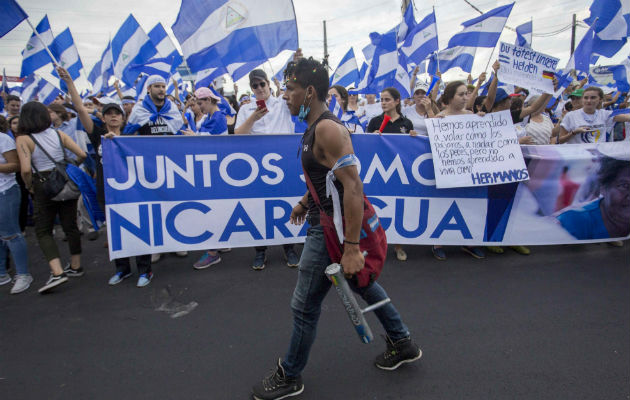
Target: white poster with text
(526, 68)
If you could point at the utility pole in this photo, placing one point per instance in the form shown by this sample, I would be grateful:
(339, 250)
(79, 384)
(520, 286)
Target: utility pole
(325, 61)
(573, 34)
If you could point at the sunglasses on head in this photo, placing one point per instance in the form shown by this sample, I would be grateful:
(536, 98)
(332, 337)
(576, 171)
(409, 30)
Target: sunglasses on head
(261, 84)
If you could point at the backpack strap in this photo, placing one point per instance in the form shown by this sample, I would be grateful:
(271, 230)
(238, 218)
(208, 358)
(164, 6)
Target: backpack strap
(46, 153)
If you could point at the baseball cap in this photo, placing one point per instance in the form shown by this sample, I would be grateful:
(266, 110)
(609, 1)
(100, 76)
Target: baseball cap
(204, 93)
(257, 74)
(111, 106)
(421, 86)
(500, 96)
(577, 93)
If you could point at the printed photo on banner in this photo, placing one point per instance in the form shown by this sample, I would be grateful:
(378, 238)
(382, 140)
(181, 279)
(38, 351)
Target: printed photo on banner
(525, 67)
(583, 189)
(470, 150)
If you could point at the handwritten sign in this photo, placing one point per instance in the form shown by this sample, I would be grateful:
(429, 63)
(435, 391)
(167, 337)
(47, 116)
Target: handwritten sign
(526, 68)
(469, 150)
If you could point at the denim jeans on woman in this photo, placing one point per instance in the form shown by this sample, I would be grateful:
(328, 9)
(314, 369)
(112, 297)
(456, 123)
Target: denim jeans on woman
(310, 290)
(10, 234)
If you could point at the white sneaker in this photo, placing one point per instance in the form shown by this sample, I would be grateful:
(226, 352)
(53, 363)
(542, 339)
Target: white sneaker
(22, 282)
(181, 253)
(155, 258)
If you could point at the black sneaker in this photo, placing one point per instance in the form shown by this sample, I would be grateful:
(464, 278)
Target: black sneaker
(73, 273)
(259, 260)
(53, 281)
(292, 258)
(278, 386)
(398, 353)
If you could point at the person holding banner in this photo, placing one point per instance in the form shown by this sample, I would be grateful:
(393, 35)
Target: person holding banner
(392, 121)
(324, 144)
(114, 120)
(588, 124)
(268, 115)
(155, 115)
(349, 118)
(455, 97)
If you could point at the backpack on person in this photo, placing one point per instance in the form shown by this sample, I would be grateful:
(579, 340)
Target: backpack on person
(57, 185)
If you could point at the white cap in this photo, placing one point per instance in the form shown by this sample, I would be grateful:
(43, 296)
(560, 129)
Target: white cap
(421, 85)
(155, 79)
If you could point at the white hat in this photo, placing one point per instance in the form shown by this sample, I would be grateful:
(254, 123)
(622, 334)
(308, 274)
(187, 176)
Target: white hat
(421, 86)
(153, 79)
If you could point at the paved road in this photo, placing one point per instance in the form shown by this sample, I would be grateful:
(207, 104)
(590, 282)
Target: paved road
(553, 325)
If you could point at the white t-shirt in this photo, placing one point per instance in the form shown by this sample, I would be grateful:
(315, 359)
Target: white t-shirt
(599, 122)
(277, 120)
(6, 179)
(371, 110)
(419, 123)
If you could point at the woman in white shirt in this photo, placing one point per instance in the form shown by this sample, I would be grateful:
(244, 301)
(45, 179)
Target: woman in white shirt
(539, 126)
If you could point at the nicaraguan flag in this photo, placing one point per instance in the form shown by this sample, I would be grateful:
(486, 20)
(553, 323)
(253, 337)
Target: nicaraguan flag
(422, 40)
(219, 33)
(621, 75)
(130, 46)
(612, 27)
(35, 56)
(347, 72)
(402, 82)
(239, 70)
(483, 31)
(146, 111)
(204, 78)
(280, 74)
(524, 34)
(12, 15)
(407, 25)
(47, 92)
(382, 71)
(141, 87)
(170, 88)
(155, 66)
(224, 105)
(30, 87)
(335, 107)
(581, 58)
(165, 46)
(67, 55)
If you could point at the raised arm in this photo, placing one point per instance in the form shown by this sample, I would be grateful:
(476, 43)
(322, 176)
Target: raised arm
(492, 90)
(535, 106)
(82, 112)
(473, 96)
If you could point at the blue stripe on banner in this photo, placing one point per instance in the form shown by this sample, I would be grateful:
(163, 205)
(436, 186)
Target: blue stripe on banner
(500, 202)
(244, 45)
(254, 166)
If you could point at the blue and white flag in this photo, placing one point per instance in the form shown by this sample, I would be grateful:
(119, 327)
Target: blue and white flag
(581, 58)
(12, 15)
(382, 71)
(407, 25)
(239, 70)
(368, 52)
(219, 33)
(130, 46)
(146, 111)
(102, 71)
(483, 31)
(612, 26)
(47, 92)
(170, 87)
(35, 56)
(155, 66)
(224, 105)
(335, 107)
(524, 34)
(67, 55)
(5, 83)
(30, 87)
(165, 46)
(204, 78)
(280, 74)
(347, 72)
(402, 82)
(422, 40)
(141, 87)
(621, 75)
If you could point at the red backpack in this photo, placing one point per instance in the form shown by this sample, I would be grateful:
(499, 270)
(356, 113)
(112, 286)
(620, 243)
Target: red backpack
(372, 239)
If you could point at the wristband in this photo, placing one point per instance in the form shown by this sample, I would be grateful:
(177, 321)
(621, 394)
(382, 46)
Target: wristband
(349, 242)
(302, 204)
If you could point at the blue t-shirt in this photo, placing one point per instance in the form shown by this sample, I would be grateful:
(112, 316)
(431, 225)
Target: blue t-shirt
(585, 222)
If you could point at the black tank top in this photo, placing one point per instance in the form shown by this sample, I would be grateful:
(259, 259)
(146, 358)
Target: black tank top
(317, 172)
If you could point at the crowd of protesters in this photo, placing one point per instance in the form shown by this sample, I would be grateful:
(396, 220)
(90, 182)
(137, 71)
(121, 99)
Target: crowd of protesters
(35, 137)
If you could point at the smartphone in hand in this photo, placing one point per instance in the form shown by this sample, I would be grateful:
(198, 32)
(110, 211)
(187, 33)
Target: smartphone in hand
(261, 104)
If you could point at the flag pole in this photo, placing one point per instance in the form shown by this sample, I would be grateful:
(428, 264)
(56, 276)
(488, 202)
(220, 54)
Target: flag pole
(42, 41)
(490, 59)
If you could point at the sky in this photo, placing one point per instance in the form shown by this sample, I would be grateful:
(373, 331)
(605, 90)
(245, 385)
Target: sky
(348, 24)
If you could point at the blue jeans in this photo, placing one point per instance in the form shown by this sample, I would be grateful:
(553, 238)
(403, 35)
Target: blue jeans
(310, 290)
(10, 235)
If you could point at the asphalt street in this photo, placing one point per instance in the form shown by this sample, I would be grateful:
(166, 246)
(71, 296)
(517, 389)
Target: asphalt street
(552, 325)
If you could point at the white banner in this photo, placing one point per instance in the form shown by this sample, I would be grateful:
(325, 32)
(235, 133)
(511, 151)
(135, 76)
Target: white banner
(526, 68)
(469, 150)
